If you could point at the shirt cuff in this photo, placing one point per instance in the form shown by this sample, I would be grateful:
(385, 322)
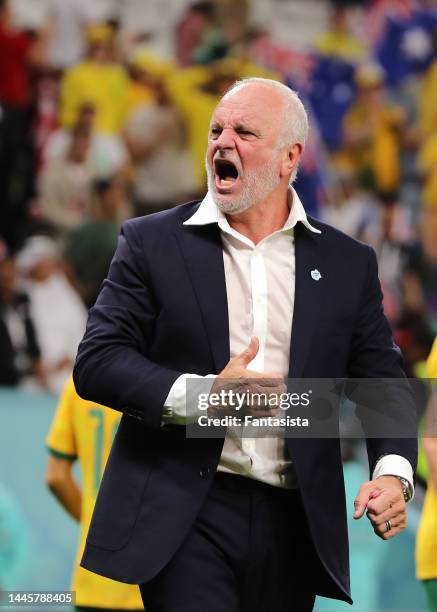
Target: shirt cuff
(395, 465)
(180, 406)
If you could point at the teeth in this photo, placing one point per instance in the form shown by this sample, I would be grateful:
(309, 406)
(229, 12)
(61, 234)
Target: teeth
(226, 183)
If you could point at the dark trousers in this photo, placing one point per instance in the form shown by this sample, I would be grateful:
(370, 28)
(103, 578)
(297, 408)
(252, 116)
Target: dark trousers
(248, 551)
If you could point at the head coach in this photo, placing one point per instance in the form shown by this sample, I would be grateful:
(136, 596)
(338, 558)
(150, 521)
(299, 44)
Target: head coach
(241, 286)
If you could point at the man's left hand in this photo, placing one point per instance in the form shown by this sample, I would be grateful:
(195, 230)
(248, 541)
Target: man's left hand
(384, 500)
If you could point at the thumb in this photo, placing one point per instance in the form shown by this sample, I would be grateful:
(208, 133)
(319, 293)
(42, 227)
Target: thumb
(250, 353)
(361, 501)
(360, 504)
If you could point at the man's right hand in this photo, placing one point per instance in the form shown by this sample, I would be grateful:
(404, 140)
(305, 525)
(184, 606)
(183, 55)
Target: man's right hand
(237, 378)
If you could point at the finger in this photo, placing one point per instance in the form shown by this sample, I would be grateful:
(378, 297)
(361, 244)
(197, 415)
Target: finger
(380, 503)
(385, 500)
(395, 523)
(390, 512)
(382, 532)
(257, 406)
(399, 522)
(267, 379)
(259, 396)
(365, 493)
(256, 388)
(250, 352)
(272, 377)
(262, 412)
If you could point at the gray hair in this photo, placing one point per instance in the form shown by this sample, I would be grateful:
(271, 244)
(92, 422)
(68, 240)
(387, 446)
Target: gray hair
(294, 128)
(295, 124)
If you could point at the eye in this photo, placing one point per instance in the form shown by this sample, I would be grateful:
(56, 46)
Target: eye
(246, 133)
(215, 132)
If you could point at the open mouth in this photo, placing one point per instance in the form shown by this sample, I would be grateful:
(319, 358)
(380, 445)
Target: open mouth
(226, 173)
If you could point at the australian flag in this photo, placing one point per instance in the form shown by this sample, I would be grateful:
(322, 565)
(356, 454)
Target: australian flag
(407, 46)
(330, 94)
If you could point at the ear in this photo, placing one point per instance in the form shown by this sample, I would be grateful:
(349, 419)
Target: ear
(291, 158)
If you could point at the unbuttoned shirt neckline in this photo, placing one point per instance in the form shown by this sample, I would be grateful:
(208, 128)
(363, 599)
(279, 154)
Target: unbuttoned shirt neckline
(208, 212)
(260, 290)
(271, 256)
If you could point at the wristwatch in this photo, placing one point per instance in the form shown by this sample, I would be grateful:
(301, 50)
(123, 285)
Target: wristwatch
(406, 490)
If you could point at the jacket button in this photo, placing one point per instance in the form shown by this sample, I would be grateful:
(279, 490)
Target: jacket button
(204, 472)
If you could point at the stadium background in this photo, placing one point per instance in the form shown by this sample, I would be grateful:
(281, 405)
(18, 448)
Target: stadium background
(104, 108)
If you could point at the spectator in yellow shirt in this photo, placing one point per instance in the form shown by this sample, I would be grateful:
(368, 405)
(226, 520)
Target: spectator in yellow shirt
(427, 109)
(84, 431)
(146, 69)
(97, 80)
(338, 41)
(426, 545)
(373, 133)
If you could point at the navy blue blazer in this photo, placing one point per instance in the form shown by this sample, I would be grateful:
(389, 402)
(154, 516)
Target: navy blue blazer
(162, 312)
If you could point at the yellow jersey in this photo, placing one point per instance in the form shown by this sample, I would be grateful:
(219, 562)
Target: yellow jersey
(84, 431)
(426, 542)
(103, 85)
(343, 45)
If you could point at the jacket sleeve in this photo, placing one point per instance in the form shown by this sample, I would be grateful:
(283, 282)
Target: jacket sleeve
(112, 366)
(386, 405)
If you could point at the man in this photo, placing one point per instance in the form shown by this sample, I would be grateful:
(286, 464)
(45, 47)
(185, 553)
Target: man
(154, 134)
(96, 80)
(58, 313)
(231, 524)
(106, 153)
(65, 184)
(84, 431)
(20, 356)
(89, 248)
(19, 54)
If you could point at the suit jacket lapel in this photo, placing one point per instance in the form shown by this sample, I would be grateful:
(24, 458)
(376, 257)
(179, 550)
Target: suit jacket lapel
(307, 297)
(201, 248)
(202, 252)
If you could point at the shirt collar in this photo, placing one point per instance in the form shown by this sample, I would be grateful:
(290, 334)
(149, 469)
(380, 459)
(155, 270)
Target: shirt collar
(208, 212)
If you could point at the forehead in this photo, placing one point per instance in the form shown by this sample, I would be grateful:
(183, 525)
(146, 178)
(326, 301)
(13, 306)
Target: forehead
(254, 105)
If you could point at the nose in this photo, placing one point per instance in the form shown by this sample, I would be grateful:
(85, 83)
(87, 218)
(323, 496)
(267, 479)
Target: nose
(226, 140)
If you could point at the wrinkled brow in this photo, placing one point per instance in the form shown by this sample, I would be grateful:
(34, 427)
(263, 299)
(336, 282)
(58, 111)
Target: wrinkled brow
(239, 127)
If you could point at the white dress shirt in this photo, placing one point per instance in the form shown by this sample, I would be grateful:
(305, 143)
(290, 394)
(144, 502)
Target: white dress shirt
(260, 282)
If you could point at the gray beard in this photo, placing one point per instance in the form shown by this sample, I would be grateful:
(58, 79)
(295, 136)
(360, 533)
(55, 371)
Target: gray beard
(257, 186)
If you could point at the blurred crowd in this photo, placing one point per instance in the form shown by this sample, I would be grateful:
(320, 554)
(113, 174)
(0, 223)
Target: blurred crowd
(101, 121)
